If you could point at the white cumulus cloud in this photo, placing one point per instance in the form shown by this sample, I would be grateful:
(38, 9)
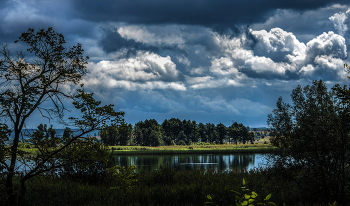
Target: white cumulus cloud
(278, 40)
(144, 71)
(266, 65)
(338, 20)
(330, 44)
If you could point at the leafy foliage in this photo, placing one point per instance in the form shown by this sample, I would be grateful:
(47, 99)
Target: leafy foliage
(244, 198)
(313, 140)
(25, 87)
(124, 178)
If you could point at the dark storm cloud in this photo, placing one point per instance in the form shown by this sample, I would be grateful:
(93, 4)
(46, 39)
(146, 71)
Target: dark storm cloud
(112, 41)
(17, 16)
(200, 36)
(203, 12)
(305, 25)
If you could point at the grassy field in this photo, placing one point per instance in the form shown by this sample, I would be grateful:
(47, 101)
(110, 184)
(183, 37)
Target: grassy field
(261, 146)
(192, 149)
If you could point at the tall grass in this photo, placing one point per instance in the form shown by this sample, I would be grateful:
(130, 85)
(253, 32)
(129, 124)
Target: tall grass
(165, 186)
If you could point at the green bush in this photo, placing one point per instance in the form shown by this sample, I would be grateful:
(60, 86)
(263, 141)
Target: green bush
(125, 178)
(245, 198)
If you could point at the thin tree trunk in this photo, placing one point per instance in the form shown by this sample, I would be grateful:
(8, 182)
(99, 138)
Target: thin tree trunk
(22, 191)
(10, 175)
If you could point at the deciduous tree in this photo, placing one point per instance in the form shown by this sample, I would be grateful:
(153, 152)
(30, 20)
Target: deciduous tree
(313, 139)
(26, 84)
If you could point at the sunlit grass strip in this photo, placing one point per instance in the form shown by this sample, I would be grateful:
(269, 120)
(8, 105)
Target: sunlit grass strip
(194, 146)
(177, 149)
(190, 150)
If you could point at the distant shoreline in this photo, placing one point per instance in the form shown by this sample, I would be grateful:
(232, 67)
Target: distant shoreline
(192, 149)
(204, 148)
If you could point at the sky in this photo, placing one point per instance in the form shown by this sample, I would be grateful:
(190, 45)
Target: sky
(203, 60)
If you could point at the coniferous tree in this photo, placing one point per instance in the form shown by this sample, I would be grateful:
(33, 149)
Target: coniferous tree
(233, 132)
(194, 132)
(182, 138)
(212, 136)
(222, 132)
(202, 130)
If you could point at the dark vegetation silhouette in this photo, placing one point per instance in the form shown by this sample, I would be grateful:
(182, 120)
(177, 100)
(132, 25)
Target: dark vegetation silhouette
(312, 137)
(27, 85)
(175, 132)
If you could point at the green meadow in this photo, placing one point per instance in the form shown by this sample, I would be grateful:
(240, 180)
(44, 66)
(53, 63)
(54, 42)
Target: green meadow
(198, 148)
(192, 149)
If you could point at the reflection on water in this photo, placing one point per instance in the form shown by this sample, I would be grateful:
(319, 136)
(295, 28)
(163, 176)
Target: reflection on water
(20, 166)
(225, 162)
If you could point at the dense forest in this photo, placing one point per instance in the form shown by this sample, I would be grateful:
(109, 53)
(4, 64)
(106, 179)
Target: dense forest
(176, 132)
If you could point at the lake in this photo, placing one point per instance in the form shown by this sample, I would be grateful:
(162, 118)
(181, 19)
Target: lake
(225, 162)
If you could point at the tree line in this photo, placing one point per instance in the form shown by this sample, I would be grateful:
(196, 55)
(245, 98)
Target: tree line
(175, 132)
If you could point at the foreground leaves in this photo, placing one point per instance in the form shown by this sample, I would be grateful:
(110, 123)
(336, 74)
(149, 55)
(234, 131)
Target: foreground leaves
(244, 198)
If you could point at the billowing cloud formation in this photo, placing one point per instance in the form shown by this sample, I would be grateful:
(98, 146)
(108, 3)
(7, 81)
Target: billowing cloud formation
(145, 71)
(324, 67)
(264, 54)
(279, 46)
(326, 44)
(210, 61)
(338, 20)
(263, 65)
(278, 54)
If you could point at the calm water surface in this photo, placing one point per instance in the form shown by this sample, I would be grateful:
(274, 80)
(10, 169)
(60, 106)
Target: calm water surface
(225, 162)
